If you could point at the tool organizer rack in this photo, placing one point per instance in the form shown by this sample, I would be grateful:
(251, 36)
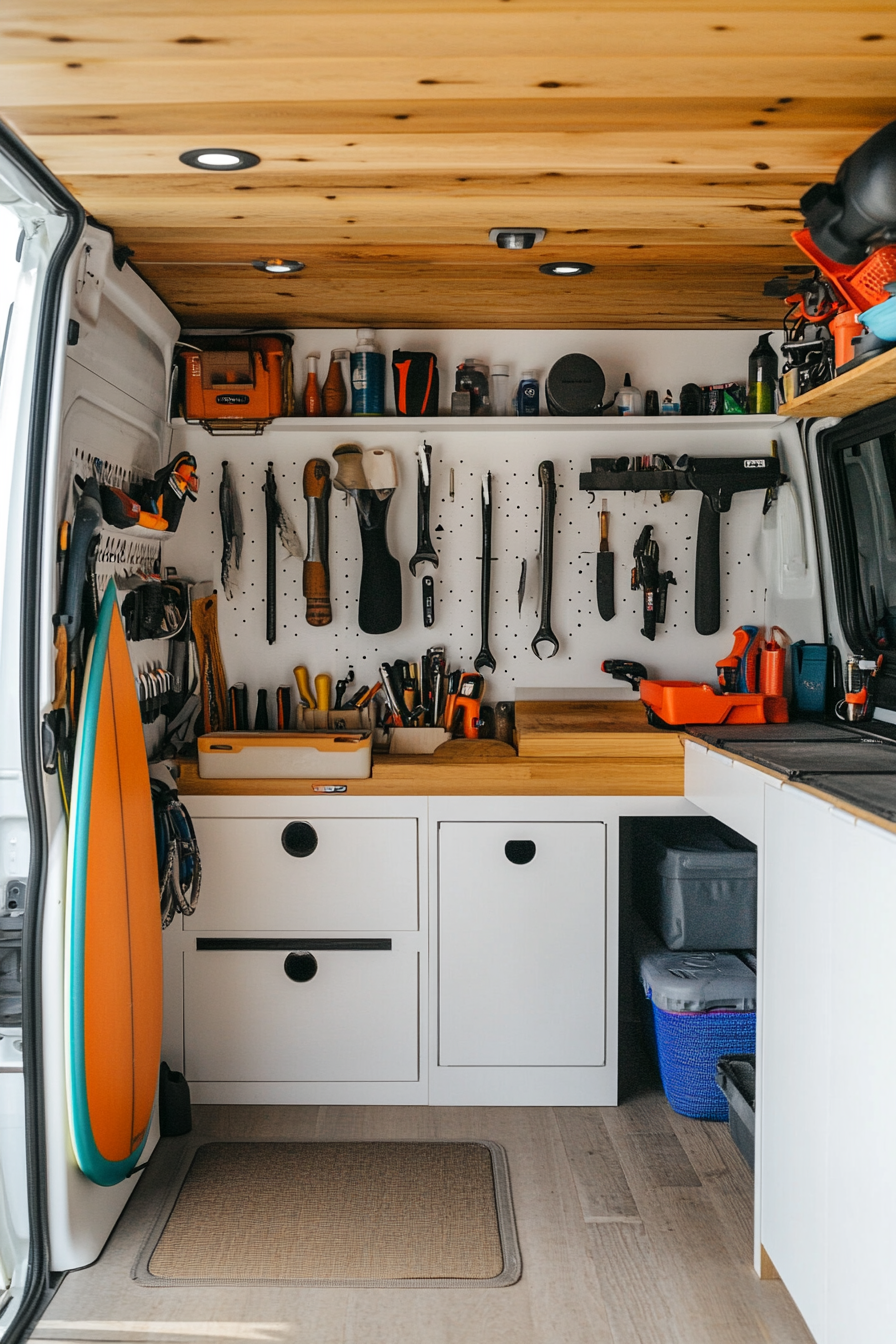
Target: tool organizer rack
(754, 587)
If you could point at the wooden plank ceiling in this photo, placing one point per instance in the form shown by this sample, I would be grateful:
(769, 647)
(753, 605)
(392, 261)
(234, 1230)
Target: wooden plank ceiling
(666, 142)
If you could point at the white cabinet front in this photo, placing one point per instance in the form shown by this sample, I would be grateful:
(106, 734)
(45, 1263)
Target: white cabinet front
(333, 874)
(521, 944)
(354, 1018)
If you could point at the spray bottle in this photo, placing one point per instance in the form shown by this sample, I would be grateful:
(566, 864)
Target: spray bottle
(368, 375)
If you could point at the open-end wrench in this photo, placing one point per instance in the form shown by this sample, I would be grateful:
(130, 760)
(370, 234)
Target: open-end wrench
(484, 657)
(545, 634)
(425, 549)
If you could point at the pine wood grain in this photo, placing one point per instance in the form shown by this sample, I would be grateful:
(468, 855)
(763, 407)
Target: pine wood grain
(422, 776)
(390, 128)
(867, 385)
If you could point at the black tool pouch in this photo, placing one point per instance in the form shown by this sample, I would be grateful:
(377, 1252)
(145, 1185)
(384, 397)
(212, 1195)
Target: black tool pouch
(416, 381)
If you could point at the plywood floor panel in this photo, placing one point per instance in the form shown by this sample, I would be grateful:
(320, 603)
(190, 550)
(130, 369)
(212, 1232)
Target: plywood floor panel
(682, 1276)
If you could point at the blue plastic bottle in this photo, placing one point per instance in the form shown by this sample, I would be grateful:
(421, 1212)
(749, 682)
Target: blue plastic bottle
(527, 395)
(368, 367)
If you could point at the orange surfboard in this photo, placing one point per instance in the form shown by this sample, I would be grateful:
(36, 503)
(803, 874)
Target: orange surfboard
(114, 930)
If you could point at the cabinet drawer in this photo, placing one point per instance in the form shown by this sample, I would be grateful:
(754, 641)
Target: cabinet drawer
(246, 1020)
(521, 944)
(261, 873)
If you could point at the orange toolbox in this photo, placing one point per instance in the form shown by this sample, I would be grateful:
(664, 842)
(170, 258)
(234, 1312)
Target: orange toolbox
(239, 384)
(680, 702)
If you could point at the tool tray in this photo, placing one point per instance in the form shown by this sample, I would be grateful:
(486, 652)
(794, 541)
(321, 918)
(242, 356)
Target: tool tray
(681, 702)
(285, 755)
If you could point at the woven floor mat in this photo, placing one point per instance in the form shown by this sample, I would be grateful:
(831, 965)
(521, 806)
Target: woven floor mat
(360, 1214)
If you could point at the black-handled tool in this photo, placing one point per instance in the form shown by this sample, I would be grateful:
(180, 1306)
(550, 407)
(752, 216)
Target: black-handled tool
(271, 513)
(606, 600)
(379, 598)
(261, 713)
(708, 575)
(239, 707)
(429, 601)
(484, 657)
(425, 550)
(545, 634)
(654, 583)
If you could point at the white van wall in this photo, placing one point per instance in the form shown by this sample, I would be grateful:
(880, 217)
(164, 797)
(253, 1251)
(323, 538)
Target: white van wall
(112, 406)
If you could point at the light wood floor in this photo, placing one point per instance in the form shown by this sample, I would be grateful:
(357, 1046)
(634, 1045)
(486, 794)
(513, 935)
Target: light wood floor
(634, 1224)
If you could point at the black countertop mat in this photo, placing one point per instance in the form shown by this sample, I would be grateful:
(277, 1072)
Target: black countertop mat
(842, 757)
(874, 793)
(719, 733)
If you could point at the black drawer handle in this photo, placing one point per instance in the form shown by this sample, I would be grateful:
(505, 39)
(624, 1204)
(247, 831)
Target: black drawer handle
(520, 851)
(300, 966)
(299, 839)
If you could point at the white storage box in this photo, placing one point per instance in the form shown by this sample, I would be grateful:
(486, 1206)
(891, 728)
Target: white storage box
(284, 755)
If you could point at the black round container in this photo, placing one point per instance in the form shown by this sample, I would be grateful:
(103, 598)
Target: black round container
(575, 386)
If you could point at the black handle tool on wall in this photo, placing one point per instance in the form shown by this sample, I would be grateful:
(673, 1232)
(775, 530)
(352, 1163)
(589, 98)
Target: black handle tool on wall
(545, 634)
(270, 518)
(647, 575)
(484, 657)
(379, 598)
(425, 550)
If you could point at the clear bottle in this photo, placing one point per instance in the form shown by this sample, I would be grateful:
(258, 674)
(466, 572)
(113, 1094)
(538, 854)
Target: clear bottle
(500, 389)
(629, 400)
(368, 375)
(763, 375)
(334, 392)
(311, 398)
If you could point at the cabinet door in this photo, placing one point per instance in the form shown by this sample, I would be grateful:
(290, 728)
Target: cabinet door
(795, 1077)
(862, 1162)
(521, 943)
(337, 874)
(245, 1020)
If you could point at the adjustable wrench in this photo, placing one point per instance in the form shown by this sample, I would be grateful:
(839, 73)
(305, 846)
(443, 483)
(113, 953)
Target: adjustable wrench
(484, 657)
(545, 634)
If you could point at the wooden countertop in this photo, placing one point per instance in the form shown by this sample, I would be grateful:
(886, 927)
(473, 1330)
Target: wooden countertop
(620, 755)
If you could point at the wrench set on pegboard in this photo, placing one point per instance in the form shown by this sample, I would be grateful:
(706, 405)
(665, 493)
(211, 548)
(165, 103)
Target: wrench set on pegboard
(461, 457)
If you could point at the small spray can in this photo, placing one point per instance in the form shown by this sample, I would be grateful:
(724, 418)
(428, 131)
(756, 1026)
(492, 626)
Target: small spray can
(771, 666)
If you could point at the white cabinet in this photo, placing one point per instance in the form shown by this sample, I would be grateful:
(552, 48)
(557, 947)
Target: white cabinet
(826, 1085)
(308, 873)
(795, 1061)
(521, 960)
(355, 1019)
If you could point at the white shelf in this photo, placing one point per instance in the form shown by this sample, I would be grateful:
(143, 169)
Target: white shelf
(348, 424)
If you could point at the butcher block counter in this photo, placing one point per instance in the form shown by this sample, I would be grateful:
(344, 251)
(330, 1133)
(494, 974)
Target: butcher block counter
(563, 748)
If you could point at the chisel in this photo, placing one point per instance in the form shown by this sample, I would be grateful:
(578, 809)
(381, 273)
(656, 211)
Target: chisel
(606, 603)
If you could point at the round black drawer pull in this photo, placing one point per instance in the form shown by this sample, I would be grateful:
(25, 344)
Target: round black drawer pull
(299, 839)
(300, 966)
(520, 851)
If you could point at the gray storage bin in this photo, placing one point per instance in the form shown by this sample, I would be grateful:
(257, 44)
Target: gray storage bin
(700, 887)
(698, 982)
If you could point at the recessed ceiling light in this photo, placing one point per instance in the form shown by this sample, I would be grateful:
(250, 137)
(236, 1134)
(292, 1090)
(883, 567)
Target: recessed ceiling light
(219, 160)
(516, 239)
(277, 265)
(566, 268)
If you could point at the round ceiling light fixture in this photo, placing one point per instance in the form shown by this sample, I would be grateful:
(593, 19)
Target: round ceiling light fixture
(566, 268)
(220, 160)
(278, 265)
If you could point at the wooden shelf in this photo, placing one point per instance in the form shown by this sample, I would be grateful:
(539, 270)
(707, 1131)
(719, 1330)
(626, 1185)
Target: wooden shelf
(476, 424)
(868, 385)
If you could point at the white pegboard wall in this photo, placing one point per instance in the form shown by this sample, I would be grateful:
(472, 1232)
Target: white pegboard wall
(513, 456)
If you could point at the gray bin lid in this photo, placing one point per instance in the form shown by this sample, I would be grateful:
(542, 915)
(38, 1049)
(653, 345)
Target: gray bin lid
(695, 982)
(712, 854)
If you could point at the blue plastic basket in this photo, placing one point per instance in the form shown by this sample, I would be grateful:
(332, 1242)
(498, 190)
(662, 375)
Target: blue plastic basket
(688, 1045)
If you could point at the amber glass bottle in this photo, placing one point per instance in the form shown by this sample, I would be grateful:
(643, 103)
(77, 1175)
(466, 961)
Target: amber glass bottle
(311, 399)
(334, 388)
